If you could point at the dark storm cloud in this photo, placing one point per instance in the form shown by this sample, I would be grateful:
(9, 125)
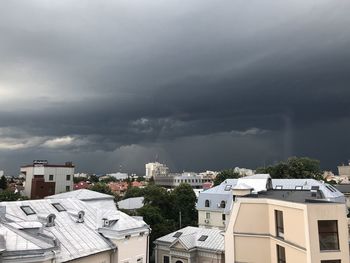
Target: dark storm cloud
(122, 79)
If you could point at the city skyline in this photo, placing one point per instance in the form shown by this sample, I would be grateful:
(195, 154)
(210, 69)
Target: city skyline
(202, 85)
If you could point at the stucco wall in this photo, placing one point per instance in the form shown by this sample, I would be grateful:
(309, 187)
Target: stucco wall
(103, 257)
(214, 221)
(132, 249)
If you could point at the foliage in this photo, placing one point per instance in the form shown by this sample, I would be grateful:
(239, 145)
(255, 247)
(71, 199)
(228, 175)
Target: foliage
(134, 192)
(3, 183)
(101, 188)
(294, 167)
(184, 200)
(225, 174)
(109, 179)
(11, 196)
(140, 179)
(79, 179)
(93, 178)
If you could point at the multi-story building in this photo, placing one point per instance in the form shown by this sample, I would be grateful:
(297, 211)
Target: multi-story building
(193, 179)
(67, 229)
(156, 169)
(43, 179)
(281, 220)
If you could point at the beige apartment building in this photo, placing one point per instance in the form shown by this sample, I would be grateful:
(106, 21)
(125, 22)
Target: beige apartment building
(266, 220)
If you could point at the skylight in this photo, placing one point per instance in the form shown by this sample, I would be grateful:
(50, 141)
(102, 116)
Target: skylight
(203, 238)
(27, 210)
(228, 187)
(59, 207)
(177, 234)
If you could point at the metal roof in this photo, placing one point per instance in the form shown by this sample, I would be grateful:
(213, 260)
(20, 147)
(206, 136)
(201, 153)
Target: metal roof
(81, 194)
(190, 238)
(131, 203)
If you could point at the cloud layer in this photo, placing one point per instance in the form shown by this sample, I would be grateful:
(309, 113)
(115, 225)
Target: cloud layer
(203, 85)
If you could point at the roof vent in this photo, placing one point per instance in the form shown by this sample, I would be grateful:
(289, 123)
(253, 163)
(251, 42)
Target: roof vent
(47, 219)
(77, 215)
(105, 222)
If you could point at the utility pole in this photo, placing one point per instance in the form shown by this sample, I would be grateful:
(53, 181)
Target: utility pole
(180, 219)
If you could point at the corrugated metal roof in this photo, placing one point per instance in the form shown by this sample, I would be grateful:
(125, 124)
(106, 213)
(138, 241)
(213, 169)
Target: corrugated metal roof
(191, 235)
(81, 194)
(131, 203)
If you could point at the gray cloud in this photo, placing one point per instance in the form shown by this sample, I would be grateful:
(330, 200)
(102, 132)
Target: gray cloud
(120, 81)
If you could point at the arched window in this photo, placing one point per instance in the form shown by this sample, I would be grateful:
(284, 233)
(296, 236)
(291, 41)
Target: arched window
(178, 261)
(207, 203)
(223, 204)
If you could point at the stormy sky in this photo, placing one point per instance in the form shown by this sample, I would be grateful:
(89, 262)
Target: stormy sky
(201, 84)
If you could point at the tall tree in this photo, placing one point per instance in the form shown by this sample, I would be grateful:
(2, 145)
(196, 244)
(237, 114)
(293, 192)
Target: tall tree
(225, 174)
(294, 167)
(3, 182)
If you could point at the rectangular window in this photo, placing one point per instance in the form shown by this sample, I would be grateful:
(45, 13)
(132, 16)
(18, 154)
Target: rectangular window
(166, 259)
(58, 207)
(68, 177)
(67, 188)
(331, 261)
(279, 223)
(328, 234)
(27, 210)
(281, 254)
(207, 215)
(223, 217)
(51, 177)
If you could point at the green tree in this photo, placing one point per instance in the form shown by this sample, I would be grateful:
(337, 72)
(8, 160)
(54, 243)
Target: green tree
(101, 188)
(3, 183)
(225, 174)
(158, 197)
(294, 167)
(134, 192)
(11, 196)
(93, 178)
(184, 200)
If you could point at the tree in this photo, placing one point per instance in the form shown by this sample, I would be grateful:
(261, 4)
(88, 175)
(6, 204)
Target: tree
(93, 178)
(157, 196)
(294, 167)
(184, 200)
(3, 183)
(101, 188)
(134, 192)
(225, 174)
(11, 196)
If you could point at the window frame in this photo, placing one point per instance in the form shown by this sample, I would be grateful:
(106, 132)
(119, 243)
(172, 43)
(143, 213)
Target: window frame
(24, 207)
(281, 254)
(59, 207)
(279, 224)
(337, 245)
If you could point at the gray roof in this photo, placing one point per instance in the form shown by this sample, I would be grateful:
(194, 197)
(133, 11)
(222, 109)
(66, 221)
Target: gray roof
(75, 239)
(343, 188)
(190, 238)
(81, 194)
(131, 203)
(223, 192)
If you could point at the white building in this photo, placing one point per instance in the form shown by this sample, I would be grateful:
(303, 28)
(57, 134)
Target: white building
(156, 169)
(118, 175)
(1, 173)
(195, 180)
(43, 179)
(67, 229)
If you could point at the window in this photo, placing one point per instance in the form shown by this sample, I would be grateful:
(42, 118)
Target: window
(67, 188)
(127, 236)
(58, 207)
(207, 215)
(177, 234)
(328, 234)
(139, 260)
(51, 177)
(279, 187)
(331, 261)
(223, 217)
(228, 187)
(203, 238)
(279, 223)
(299, 187)
(68, 177)
(166, 259)
(207, 203)
(222, 204)
(27, 210)
(178, 261)
(281, 254)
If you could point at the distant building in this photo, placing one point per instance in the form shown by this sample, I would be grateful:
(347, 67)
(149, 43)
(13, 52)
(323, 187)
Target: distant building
(82, 175)
(43, 179)
(1, 173)
(119, 176)
(132, 203)
(70, 228)
(243, 171)
(195, 180)
(156, 169)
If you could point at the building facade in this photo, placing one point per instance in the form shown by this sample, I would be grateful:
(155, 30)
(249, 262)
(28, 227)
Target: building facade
(156, 169)
(195, 180)
(43, 179)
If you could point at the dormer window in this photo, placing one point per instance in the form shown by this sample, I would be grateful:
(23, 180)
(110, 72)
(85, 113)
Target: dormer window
(27, 210)
(222, 204)
(207, 203)
(59, 207)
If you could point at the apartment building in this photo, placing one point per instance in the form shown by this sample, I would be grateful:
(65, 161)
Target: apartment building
(156, 169)
(43, 179)
(67, 229)
(195, 180)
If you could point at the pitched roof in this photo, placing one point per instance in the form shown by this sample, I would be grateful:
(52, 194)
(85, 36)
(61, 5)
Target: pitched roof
(131, 203)
(82, 194)
(190, 238)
